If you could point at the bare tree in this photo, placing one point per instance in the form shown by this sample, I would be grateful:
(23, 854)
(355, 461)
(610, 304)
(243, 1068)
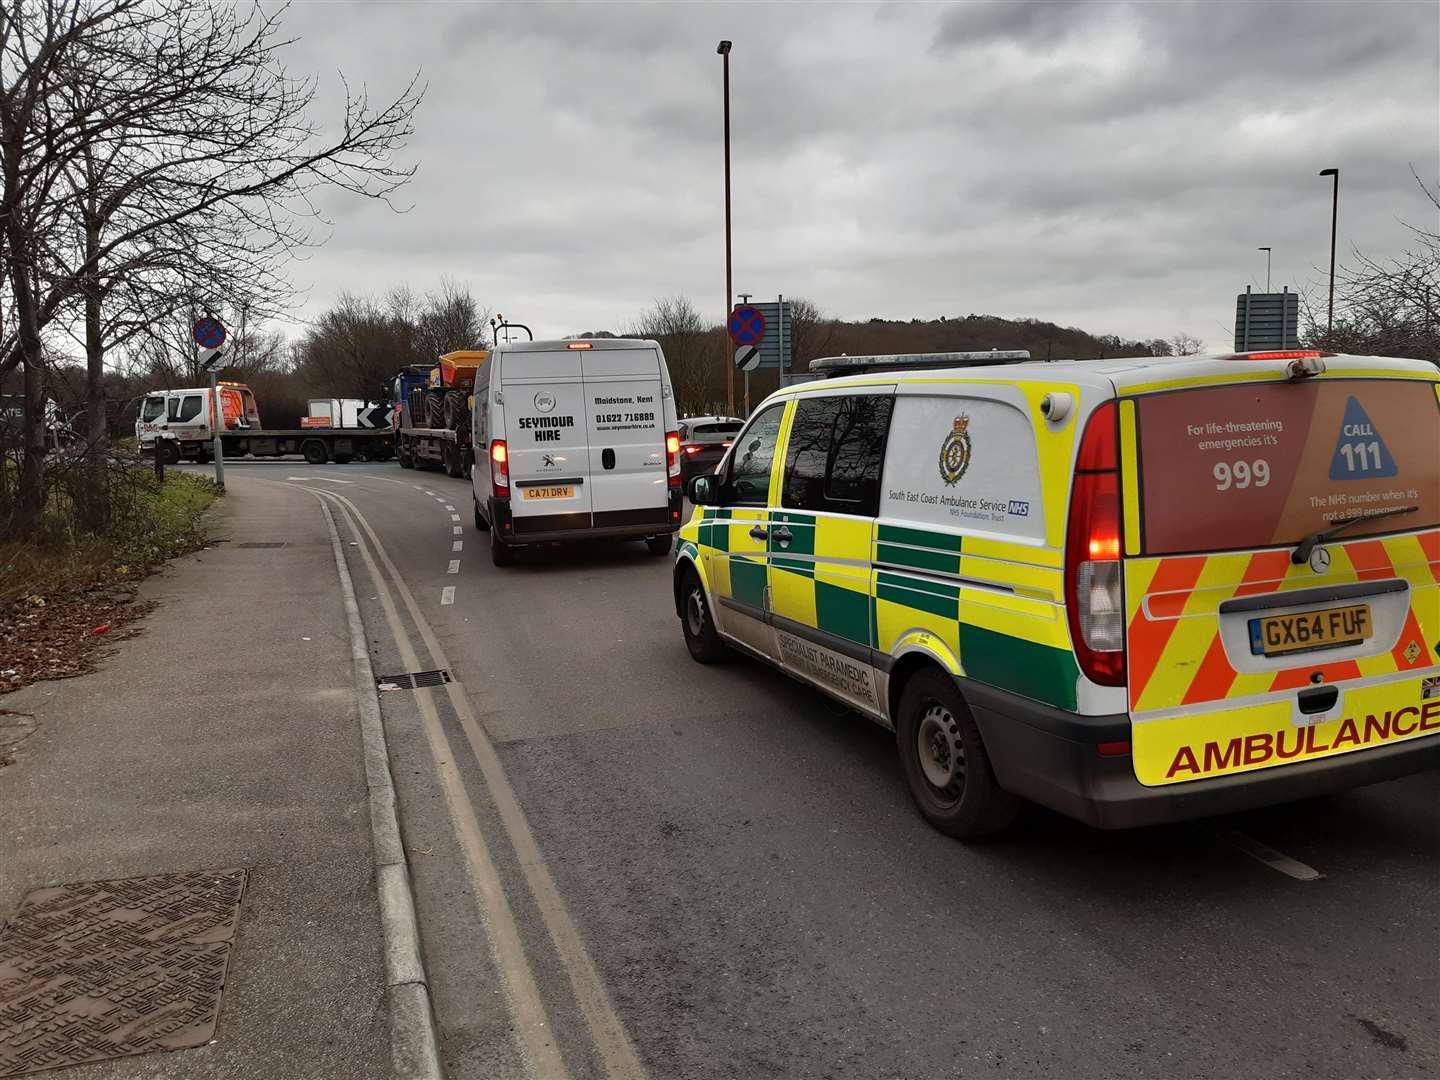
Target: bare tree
(1387, 307)
(354, 347)
(680, 329)
(1184, 345)
(167, 135)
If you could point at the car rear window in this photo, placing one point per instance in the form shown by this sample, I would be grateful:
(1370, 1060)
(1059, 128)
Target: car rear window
(1236, 467)
(716, 429)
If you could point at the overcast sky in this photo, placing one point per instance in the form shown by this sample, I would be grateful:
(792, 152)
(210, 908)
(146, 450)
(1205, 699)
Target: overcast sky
(1111, 166)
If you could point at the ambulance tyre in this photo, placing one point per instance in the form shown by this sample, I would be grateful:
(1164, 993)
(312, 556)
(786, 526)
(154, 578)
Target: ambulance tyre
(701, 637)
(659, 545)
(501, 553)
(944, 760)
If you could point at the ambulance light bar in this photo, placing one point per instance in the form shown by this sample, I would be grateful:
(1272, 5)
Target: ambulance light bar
(831, 366)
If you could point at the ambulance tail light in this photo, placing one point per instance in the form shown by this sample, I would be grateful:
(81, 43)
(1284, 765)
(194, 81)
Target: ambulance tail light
(500, 469)
(672, 457)
(1094, 599)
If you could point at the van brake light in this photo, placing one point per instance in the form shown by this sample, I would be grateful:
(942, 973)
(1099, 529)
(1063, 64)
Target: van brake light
(500, 469)
(578, 345)
(1093, 593)
(672, 458)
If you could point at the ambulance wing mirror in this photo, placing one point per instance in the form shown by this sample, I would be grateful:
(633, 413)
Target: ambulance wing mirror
(704, 490)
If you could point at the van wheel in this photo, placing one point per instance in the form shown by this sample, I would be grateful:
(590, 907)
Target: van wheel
(169, 452)
(701, 637)
(501, 553)
(945, 762)
(659, 545)
(315, 452)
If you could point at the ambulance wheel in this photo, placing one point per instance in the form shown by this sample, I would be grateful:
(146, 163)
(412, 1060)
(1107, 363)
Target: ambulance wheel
(701, 637)
(315, 452)
(169, 452)
(659, 545)
(501, 553)
(944, 760)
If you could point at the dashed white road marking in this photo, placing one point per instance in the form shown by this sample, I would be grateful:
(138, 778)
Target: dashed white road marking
(449, 507)
(428, 492)
(454, 517)
(456, 530)
(1276, 860)
(447, 594)
(454, 567)
(458, 545)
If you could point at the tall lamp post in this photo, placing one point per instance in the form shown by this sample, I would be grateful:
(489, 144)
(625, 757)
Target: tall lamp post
(723, 49)
(1334, 219)
(1266, 250)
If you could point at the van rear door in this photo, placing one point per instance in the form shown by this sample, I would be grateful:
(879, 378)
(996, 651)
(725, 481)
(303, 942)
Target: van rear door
(1245, 650)
(624, 394)
(547, 441)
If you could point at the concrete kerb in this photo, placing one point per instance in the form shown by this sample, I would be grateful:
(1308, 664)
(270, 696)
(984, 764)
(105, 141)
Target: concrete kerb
(414, 1046)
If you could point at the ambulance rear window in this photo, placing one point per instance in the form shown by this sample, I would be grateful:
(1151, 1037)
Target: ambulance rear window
(1237, 467)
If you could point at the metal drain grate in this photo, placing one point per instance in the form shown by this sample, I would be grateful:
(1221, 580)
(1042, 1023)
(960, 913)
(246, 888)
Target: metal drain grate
(413, 680)
(103, 969)
(262, 544)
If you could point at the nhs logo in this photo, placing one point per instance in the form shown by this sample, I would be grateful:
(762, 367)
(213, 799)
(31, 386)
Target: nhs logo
(1018, 508)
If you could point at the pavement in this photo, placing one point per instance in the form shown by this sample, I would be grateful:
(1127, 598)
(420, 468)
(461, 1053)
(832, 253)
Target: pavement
(626, 864)
(225, 735)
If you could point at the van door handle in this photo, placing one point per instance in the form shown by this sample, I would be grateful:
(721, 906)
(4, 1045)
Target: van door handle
(783, 536)
(759, 532)
(607, 458)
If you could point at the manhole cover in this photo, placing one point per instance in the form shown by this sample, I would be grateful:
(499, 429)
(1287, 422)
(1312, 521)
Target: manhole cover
(102, 969)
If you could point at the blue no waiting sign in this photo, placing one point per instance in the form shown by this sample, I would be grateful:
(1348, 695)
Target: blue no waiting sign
(747, 326)
(208, 333)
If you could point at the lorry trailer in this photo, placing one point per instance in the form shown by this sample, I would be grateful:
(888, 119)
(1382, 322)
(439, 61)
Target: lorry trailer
(181, 424)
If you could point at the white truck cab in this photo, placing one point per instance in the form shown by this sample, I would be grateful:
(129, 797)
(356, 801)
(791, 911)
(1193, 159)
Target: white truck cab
(575, 440)
(180, 423)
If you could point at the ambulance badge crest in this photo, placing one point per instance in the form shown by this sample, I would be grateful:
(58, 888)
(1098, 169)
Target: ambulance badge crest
(955, 452)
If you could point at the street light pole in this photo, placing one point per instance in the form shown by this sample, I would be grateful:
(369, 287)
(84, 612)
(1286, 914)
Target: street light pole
(1334, 219)
(724, 50)
(1266, 250)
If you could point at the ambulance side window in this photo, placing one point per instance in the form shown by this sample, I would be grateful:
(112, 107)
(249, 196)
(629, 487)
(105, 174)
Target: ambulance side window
(836, 451)
(750, 460)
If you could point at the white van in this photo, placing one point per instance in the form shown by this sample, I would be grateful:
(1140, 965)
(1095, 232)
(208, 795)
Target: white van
(579, 441)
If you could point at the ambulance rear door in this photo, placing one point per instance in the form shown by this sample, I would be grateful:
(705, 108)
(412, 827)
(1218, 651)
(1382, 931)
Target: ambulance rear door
(1253, 639)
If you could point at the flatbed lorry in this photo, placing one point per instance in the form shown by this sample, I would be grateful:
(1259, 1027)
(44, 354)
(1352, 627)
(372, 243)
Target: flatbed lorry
(433, 410)
(180, 424)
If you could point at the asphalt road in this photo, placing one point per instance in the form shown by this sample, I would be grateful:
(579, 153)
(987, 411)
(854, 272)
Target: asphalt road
(753, 894)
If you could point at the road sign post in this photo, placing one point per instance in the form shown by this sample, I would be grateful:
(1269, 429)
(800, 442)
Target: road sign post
(209, 335)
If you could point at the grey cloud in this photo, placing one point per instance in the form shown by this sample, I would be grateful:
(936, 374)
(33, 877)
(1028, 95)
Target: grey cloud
(1110, 165)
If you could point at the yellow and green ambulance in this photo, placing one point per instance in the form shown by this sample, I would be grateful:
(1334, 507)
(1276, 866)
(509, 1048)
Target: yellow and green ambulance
(1130, 590)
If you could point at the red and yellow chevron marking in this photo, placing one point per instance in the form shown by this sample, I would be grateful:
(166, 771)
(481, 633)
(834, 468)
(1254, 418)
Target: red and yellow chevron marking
(1176, 656)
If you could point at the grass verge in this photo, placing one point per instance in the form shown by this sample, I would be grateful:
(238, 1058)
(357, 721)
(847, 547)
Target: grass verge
(64, 596)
